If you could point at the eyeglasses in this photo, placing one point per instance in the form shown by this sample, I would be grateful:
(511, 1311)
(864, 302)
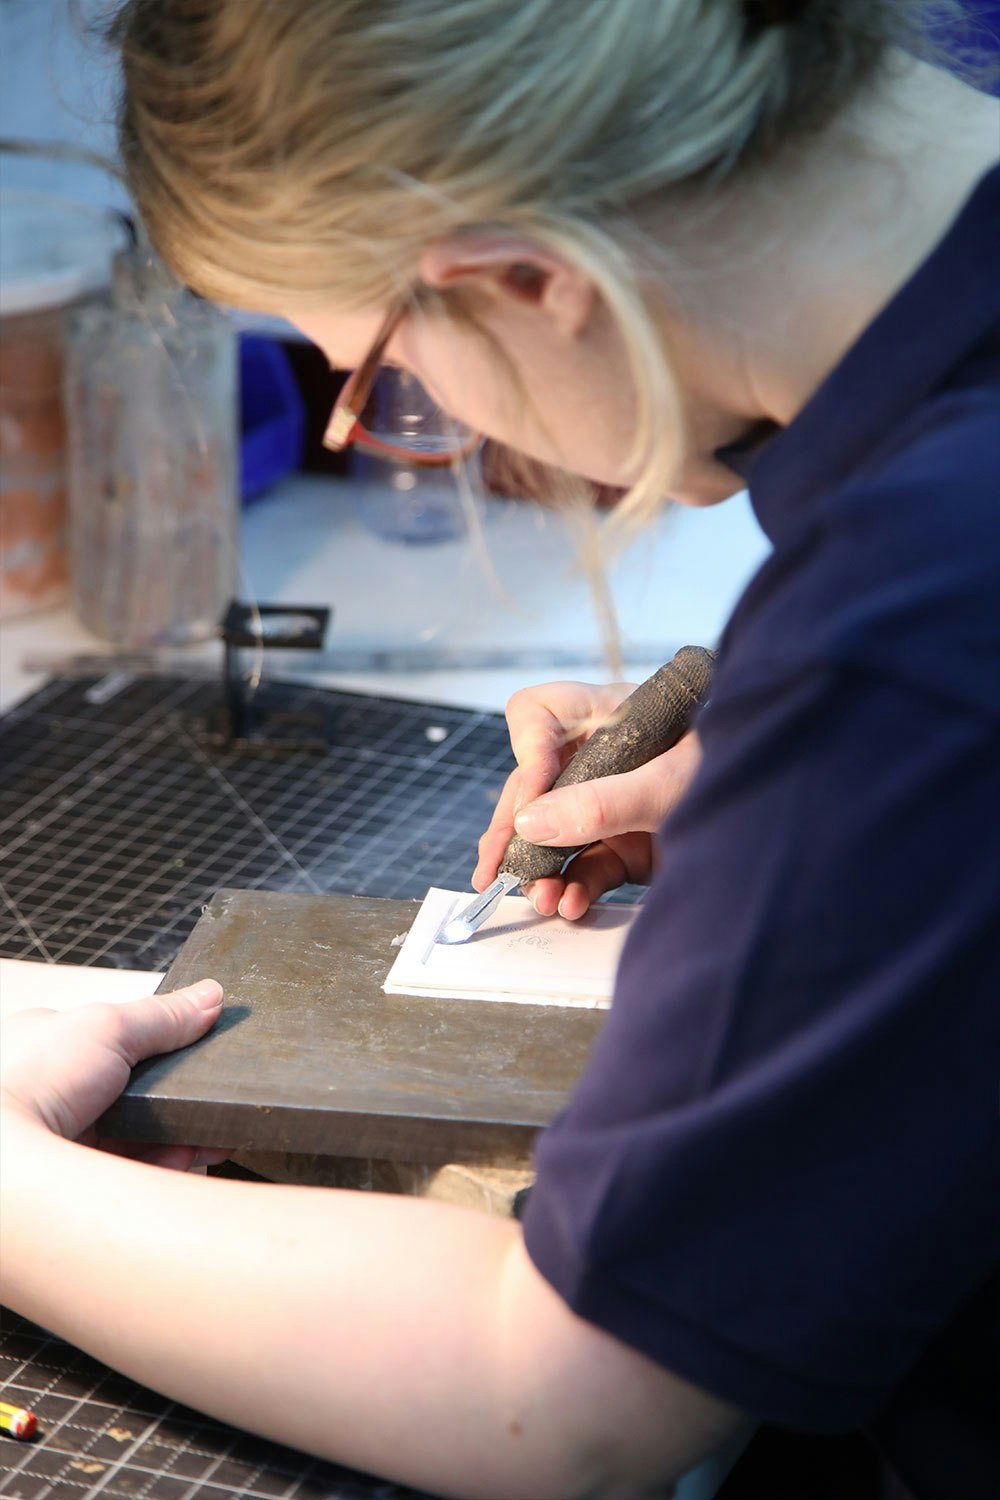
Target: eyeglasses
(393, 417)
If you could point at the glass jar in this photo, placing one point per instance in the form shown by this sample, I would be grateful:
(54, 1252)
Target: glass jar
(151, 405)
(410, 503)
(56, 255)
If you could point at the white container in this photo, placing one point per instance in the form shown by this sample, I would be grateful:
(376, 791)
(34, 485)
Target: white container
(56, 254)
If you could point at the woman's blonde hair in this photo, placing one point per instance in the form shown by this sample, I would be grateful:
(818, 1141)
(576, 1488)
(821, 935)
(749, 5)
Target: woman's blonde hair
(297, 151)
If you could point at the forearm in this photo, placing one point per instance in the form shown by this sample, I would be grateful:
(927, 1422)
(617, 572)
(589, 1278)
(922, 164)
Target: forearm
(230, 1296)
(398, 1324)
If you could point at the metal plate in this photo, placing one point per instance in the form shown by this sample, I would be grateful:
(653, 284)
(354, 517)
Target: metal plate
(311, 1056)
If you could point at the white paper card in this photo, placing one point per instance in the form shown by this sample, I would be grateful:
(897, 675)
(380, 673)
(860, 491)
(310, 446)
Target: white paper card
(516, 956)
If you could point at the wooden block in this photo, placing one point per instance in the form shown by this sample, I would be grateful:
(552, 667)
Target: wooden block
(491, 1190)
(310, 1056)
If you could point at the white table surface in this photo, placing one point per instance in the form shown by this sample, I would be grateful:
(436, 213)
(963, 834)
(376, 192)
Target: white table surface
(307, 543)
(26, 982)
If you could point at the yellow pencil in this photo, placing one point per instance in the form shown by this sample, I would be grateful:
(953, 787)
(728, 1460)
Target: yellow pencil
(16, 1421)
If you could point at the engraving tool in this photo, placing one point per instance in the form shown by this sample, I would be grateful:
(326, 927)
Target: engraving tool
(647, 723)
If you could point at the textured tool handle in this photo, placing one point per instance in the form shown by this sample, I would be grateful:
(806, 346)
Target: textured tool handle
(646, 724)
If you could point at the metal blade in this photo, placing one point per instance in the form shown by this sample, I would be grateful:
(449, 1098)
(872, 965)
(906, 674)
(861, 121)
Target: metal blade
(479, 908)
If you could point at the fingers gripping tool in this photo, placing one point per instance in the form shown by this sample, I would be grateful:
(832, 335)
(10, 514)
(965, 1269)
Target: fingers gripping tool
(646, 724)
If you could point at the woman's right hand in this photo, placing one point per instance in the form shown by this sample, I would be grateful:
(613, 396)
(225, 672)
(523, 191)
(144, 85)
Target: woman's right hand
(616, 815)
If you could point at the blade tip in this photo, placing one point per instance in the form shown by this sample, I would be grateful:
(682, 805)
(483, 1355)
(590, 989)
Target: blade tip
(455, 931)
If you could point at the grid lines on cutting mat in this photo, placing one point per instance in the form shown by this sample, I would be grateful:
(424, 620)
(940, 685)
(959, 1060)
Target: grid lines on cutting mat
(117, 823)
(103, 1437)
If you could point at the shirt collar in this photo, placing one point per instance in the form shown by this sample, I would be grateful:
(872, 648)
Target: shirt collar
(947, 307)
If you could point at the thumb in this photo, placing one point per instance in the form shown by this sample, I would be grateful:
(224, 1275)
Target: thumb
(162, 1023)
(636, 802)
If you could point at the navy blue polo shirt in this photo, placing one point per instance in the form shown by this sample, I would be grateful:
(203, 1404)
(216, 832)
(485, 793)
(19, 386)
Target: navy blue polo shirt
(779, 1174)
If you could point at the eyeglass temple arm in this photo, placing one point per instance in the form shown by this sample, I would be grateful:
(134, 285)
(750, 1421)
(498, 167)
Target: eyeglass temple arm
(360, 382)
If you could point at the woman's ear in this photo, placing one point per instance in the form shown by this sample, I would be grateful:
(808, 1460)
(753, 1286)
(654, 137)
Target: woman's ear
(508, 268)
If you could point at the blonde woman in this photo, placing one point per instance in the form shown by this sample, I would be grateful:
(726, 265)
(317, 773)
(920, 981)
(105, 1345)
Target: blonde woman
(661, 243)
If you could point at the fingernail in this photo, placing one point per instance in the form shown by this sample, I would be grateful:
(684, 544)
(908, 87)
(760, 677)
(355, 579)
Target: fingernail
(535, 823)
(206, 994)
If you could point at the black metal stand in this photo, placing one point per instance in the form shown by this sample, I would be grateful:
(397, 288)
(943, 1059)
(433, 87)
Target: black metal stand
(248, 719)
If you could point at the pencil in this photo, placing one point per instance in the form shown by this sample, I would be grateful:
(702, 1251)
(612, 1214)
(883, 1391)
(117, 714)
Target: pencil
(16, 1421)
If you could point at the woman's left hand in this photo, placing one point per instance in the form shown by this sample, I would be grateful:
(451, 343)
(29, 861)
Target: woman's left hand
(63, 1069)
